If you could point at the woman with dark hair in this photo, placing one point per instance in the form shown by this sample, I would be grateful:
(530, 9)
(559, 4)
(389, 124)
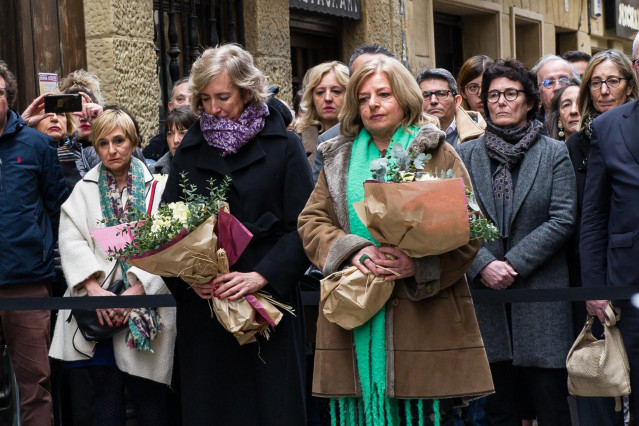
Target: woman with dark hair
(564, 117)
(469, 82)
(178, 121)
(523, 183)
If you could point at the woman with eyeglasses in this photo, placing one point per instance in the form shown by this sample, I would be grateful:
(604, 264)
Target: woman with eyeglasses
(524, 183)
(609, 81)
(469, 81)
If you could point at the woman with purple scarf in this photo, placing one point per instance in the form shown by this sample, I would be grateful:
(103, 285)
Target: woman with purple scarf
(525, 184)
(240, 136)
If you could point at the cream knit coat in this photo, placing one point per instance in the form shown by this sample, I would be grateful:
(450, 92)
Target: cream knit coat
(83, 257)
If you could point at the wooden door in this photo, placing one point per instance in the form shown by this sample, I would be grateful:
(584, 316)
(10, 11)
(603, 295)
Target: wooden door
(41, 36)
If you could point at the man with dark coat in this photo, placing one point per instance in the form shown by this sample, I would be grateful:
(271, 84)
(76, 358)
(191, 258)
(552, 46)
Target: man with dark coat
(609, 244)
(32, 189)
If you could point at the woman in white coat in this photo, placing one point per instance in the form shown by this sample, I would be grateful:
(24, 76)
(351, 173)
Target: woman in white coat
(129, 359)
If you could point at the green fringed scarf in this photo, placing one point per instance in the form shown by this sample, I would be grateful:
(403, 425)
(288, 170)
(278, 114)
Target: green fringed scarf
(373, 408)
(144, 324)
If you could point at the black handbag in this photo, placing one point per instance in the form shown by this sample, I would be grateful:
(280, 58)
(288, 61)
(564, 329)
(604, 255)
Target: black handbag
(88, 322)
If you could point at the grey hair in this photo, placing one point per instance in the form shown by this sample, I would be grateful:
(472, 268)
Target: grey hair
(177, 83)
(635, 44)
(371, 49)
(439, 74)
(550, 58)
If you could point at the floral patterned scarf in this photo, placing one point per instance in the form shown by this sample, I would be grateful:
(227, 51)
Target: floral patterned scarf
(230, 136)
(144, 323)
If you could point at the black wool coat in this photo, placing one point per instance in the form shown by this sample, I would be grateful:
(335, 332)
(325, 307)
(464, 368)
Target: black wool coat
(223, 383)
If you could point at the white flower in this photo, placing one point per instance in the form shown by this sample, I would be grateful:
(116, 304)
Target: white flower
(180, 211)
(426, 176)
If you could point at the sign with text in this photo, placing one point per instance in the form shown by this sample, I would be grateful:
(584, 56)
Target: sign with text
(623, 16)
(344, 8)
(48, 82)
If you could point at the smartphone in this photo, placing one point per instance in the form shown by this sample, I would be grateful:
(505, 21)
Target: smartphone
(62, 103)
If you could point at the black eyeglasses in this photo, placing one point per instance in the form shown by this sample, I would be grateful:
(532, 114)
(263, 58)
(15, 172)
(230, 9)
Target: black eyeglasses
(551, 82)
(441, 95)
(509, 95)
(473, 88)
(611, 82)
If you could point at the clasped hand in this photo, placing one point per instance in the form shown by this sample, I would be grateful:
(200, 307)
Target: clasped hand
(400, 266)
(112, 316)
(498, 275)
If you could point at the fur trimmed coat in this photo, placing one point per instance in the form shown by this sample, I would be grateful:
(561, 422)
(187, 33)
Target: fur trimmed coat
(434, 348)
(83, 257)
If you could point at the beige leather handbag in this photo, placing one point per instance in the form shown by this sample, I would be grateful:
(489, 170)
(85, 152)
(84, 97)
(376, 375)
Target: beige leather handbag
(599, 367)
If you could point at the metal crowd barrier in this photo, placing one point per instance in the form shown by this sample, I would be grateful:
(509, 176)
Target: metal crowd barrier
(312, 298)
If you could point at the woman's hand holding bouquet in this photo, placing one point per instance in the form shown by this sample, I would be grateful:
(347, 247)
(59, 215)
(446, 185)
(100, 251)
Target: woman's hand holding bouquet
(197, 240)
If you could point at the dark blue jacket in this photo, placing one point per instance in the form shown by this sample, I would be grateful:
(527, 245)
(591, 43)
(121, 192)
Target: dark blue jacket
(32, 189)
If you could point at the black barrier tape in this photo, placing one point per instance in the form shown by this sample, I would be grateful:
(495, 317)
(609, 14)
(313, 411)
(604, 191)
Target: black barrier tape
(572, 294)
(89, 303)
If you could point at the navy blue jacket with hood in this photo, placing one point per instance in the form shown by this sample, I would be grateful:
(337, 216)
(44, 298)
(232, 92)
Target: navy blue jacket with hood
(32, 189)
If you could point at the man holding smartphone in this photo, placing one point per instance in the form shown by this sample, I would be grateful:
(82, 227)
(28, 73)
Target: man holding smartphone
(32, 189)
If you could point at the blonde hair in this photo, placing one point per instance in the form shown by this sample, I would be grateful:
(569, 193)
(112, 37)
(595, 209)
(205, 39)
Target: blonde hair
(237, 63)
(82, 81)
(312, 79)
(402, 84)
(111, 119)
(623, 64)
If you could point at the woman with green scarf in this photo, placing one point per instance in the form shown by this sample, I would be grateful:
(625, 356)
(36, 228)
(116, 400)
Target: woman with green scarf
(140, 356)
(421, 354)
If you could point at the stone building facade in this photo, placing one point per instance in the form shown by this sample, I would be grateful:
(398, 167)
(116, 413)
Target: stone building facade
(118, 39)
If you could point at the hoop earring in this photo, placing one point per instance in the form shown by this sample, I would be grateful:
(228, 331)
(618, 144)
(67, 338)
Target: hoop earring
(561, 130)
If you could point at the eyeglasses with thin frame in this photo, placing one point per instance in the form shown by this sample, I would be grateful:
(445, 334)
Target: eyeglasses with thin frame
(3, 92)
(473, 88)
(441, 95)
(612, 82)
(509, 94)
(551, 82)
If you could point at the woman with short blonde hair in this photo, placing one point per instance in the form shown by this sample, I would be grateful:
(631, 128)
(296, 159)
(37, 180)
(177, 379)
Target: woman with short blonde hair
(113, 118)
(240, 136)
(238, 64)
(138, 357)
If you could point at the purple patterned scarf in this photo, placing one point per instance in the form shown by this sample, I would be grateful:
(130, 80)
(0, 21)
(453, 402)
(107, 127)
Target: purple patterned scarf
(508, 147)
(230, 136)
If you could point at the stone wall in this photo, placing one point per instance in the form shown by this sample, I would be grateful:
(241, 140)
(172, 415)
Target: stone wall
(120, 51)
(267, 35)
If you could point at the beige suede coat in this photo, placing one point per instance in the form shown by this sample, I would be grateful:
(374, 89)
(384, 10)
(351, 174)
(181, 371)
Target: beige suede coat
(434, 348)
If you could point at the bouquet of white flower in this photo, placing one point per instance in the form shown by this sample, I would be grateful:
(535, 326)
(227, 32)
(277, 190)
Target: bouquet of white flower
(196, 239)
(421, 213)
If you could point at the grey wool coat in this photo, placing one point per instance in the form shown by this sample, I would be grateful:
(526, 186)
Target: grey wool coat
(543, 220)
